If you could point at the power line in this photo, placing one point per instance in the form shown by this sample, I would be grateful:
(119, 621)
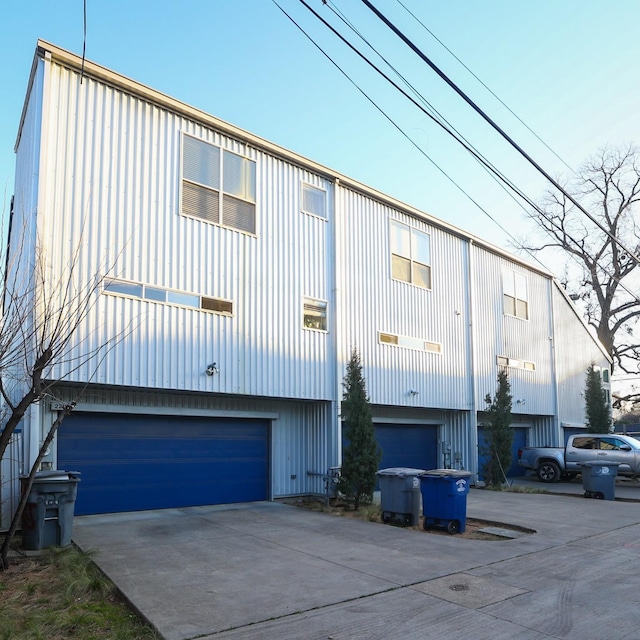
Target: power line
(394, 124)
(495, 126)
(506, 106)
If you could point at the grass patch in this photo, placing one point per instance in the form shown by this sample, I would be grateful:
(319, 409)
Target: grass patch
(62, 595)
(516, 489)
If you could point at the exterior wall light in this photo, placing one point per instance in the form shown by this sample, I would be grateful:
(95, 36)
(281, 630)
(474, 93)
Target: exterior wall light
(212, 369)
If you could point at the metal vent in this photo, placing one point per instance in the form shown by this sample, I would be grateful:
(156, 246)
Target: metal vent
(217, 305)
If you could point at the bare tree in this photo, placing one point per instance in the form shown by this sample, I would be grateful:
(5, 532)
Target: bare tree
(42, 329)
(602, 273)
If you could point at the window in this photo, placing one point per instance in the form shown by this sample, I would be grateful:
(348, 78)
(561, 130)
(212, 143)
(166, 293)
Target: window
(218, 186)
(515, 299)
(409, 343)
(314, 201)
(315, 314)
(157, 294)
(515, 363)
(586, 442)
(410, 255)
(605, 375)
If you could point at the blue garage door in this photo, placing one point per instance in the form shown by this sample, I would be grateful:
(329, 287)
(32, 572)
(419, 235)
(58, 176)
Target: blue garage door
(137, 462)
(414, 446)
(519, 442)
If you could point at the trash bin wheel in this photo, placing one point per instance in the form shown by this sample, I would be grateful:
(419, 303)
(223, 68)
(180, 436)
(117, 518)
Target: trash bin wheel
(598, 495)
(386, 517)
(407, 520)
(426, 525)
(453, 526)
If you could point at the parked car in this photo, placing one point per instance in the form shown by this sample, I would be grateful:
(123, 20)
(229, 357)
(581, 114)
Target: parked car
(553, 463)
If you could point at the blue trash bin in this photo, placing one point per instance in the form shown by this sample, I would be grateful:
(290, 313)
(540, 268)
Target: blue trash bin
(599, 479)
(444, 499)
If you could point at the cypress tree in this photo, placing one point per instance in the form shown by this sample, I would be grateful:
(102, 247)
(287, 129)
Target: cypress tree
(361, 457)
(499, 434)
(597, 411)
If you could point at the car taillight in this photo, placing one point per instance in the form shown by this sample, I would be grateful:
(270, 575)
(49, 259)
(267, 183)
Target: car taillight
(519, 453)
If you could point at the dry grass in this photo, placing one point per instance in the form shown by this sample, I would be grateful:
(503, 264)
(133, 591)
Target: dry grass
(62, 595)
(372, 513)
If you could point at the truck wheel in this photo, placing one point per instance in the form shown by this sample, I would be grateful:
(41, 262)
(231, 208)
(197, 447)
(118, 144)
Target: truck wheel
(548, 472)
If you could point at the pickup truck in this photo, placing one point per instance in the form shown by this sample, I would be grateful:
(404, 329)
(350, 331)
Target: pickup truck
(553, 463)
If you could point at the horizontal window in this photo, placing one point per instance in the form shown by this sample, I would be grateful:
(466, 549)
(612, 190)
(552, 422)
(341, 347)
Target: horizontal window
(515, 363)
(218, 186)
(409, 343)
(315, 314)
(168, 296)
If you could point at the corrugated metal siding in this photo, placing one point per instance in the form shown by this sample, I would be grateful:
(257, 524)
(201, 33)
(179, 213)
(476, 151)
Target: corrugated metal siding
(300, 434)
(575, 349)
(370, 301)
(11, 468)
(114, 170)
(498, 334)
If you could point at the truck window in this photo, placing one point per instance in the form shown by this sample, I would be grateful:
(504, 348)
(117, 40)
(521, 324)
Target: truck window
(584, 443)
(611, 444)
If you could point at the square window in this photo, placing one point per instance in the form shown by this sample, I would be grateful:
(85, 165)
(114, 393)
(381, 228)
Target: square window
(315, 314)
(314, 201)
(204, 171)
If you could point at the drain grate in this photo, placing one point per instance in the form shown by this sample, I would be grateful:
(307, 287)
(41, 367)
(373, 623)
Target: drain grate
(459, 587)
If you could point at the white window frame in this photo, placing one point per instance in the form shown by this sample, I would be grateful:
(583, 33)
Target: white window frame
(512, 289)
(171, 296)
(516, 363)
(411, 259)
(407, 342)
(311, 305)
(307, 185)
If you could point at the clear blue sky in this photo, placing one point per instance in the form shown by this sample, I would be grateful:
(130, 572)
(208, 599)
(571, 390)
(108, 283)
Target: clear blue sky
(568, 68)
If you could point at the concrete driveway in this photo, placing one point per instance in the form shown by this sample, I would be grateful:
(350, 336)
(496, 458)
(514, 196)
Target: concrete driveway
(268, 570)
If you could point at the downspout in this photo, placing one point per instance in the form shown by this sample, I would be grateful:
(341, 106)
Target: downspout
(335, 442)
(471, 356)
(558, 439)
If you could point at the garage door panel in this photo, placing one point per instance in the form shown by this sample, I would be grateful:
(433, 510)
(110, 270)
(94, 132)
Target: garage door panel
(134, 462)
(414, 446)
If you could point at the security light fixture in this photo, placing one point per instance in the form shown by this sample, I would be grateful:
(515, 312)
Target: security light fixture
(212, 369)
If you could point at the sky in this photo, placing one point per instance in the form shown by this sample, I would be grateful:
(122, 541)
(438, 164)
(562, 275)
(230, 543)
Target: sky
(566, 68)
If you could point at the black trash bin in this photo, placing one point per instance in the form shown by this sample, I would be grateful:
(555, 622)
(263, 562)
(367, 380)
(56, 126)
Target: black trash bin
(47, 519)
(400, 495)
(599, 479)
(444, 499)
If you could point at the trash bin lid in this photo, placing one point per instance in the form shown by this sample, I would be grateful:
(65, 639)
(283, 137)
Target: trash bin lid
(53, 476)
(446, 473)
(401, 472)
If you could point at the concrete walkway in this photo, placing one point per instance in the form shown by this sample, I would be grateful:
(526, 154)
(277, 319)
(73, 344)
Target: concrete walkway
(272, 571)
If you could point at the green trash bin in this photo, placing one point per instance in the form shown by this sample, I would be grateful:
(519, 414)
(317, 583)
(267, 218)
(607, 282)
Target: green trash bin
(599, 479)
(47, 519)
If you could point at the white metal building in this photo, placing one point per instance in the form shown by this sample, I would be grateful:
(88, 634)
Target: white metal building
(238, 277)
